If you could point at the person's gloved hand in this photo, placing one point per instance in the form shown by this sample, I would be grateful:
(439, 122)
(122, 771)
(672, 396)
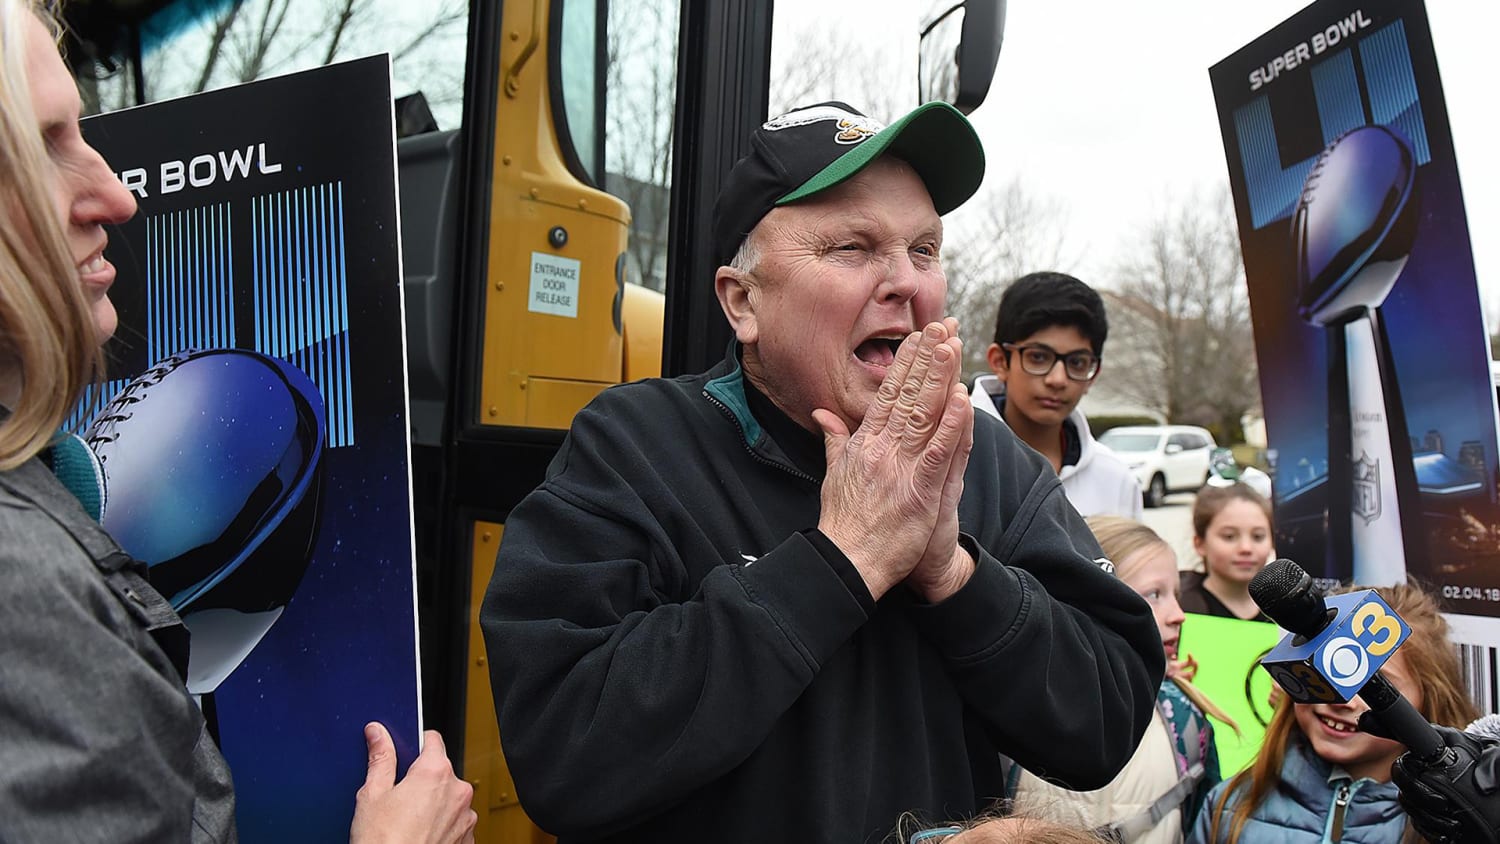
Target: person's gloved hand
(1456, 798)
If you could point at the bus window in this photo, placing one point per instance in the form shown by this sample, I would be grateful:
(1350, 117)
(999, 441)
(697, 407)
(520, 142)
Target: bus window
(641, 69)
(197, 45)
(578, 78)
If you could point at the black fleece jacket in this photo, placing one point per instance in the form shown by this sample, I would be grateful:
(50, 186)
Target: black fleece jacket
(677, 653)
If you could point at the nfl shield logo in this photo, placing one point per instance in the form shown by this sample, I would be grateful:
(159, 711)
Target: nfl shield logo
(1366, 474)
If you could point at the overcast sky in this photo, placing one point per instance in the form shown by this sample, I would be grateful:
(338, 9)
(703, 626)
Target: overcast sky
(1106, 107)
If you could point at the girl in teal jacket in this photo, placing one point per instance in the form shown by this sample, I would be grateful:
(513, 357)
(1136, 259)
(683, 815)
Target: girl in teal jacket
(1317, 778)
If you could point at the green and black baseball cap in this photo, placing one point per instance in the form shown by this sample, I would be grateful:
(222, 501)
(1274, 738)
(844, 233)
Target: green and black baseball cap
(810, 149)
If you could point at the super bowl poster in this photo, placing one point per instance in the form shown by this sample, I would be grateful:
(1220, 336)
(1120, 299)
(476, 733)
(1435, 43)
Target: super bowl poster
(1374, 360)
(253, 438)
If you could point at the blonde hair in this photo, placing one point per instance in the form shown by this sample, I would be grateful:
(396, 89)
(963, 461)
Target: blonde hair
(1435, 669)
(49, 348)
(1122, 541)
(1018, 827)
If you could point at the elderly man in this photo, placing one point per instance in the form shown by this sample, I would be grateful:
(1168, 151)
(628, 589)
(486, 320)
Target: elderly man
(806, 591)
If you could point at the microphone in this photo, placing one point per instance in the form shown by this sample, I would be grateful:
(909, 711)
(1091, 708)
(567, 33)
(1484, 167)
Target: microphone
(1486, 727)
(1334, 650)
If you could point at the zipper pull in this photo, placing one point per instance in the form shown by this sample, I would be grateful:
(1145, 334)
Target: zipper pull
(1340, 803)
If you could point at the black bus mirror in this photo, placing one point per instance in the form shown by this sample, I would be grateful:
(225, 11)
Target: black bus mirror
(958, 50)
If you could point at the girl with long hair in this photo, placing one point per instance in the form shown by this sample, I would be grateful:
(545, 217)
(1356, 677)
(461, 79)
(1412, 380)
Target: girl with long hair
(1317, 777)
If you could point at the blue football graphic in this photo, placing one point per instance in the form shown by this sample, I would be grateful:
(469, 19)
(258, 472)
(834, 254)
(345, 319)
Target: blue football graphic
(1354, 224)
(212, 464)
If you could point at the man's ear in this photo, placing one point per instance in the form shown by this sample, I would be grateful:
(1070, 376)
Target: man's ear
(998, 361)
(738, 296)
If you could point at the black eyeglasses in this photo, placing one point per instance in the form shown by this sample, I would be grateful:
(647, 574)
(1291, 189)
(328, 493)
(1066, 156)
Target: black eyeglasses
(1037, 359)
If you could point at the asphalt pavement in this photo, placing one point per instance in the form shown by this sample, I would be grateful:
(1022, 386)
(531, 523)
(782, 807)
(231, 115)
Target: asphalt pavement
(1174, 522)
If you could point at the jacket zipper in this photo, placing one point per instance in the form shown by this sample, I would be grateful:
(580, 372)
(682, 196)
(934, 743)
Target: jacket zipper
(759, 458)
(1340, 803)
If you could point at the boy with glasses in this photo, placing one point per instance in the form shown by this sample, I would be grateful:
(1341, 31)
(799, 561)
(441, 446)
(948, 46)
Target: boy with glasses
(1049, 336)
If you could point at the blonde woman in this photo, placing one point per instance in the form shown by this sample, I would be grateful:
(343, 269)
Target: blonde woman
(99, 739)
(1155, 798)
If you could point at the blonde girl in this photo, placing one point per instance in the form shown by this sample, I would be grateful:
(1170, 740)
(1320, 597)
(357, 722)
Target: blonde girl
(1158, 793)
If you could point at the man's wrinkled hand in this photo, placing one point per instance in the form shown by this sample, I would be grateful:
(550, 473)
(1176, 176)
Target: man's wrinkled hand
(945, 566)
(888, 483)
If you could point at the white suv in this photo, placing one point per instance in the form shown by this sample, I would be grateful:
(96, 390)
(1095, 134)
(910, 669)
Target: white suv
(1165, 458)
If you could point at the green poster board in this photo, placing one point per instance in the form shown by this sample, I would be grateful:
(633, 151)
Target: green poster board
(1227, 650)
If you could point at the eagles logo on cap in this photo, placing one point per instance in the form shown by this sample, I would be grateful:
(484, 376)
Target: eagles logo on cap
(849, 127)
(851, 132)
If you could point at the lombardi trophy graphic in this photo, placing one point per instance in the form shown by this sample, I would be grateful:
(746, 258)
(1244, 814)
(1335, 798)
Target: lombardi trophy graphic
(1351, 235)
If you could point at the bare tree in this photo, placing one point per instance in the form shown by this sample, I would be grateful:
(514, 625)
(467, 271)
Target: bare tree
(997, 236)
(341, 16)
(641, 80)
(255, 42)
(242, 40)
(825, 63)
(221, 27)
(1182, 321)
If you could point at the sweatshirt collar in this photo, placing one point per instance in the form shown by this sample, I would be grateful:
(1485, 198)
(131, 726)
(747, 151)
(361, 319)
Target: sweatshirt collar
(766, 430)
(802, 447)
(991, 387)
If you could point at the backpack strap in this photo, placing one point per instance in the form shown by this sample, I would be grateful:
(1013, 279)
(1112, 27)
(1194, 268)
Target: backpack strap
(1012, 773)
(1139, 824)
(1187, 744)
(1187, 732)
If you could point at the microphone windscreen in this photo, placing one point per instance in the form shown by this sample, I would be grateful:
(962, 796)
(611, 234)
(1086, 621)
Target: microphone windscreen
(1280, 578)
(1485, 727)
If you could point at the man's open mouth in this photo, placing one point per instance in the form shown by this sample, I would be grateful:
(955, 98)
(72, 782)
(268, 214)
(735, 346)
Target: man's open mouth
(879, 351)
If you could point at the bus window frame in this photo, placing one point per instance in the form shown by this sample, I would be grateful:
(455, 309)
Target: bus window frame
(557, 100)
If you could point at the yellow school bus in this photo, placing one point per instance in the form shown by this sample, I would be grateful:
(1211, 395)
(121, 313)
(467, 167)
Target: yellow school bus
(579, 138)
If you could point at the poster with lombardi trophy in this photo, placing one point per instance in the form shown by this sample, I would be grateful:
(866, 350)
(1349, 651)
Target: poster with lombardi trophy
(1373, 354)
(254, 439)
